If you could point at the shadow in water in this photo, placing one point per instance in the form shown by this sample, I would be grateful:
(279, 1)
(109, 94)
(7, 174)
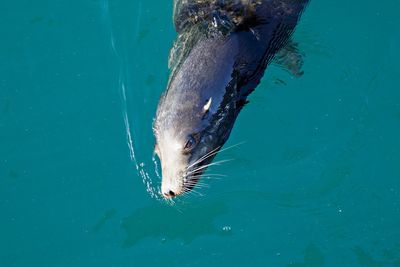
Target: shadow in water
(108, 215)
(387, 257)
(168, 223)
(313, 257)
(365, 259)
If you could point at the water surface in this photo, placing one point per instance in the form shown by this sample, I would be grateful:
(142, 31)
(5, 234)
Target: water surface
(316, 182)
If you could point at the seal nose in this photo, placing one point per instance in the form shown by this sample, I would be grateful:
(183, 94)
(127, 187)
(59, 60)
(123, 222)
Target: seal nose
(171, 185)
(169, 194)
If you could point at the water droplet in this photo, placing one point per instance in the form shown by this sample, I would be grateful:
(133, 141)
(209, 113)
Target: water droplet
(226, 228)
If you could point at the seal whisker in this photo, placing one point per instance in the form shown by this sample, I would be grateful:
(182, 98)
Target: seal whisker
(232, 146)
(200, 178)
(214, 176)
(169, 201)
(189, 192)
(199, 186)
(197, 192)
(211, 164)
(214, 152)
(207, 177)
(197, 177)
(186, 192)
(226, 148)
(195, 183)
(202, 158)
(211, 178)
(217, 174)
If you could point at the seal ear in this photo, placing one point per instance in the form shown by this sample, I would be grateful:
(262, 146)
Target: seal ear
(207, 105)
(206, 108)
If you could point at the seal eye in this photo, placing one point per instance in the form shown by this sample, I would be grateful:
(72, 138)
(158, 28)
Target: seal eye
(190, 144)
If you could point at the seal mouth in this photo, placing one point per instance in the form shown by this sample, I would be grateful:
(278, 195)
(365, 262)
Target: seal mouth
(191, 177)
(189, 182)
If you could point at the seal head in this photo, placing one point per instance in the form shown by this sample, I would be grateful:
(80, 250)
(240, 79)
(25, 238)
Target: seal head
(194, 119)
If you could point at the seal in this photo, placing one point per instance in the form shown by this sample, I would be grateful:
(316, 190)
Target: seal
(220, 55)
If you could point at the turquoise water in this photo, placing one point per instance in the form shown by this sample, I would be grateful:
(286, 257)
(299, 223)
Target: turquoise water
(315, 183)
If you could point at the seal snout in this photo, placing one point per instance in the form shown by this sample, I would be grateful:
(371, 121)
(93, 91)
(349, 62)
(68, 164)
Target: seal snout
(170, 186)
(170, 191)
(169, 194)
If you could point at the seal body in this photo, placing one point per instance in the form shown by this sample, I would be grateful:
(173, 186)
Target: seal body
(218, 59)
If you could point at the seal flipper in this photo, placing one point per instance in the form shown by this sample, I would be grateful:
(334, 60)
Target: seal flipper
(290, 58)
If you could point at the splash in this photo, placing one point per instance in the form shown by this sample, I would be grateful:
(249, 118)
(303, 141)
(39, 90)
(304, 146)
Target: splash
(122, 87)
